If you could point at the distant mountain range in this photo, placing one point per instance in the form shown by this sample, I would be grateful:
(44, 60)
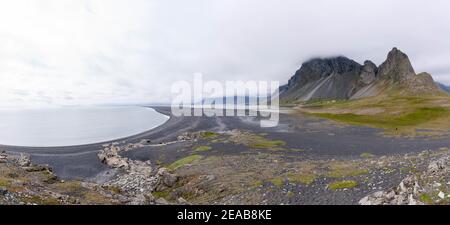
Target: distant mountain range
(444, 87)
(343, 78)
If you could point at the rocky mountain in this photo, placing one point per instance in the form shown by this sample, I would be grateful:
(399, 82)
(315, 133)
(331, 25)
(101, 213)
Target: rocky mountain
(343, 78)
(444, 87)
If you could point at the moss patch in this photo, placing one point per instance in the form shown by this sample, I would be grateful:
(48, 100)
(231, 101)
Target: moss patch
(342, 184)
(277, 181)
(303, 178)
(202, 148)
(181, 162)
(425, 198)
(267, 144)
(396, 114)
(367, 155)
(209, 134)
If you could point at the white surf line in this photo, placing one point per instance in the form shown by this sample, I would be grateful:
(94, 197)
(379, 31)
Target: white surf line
(309, 96)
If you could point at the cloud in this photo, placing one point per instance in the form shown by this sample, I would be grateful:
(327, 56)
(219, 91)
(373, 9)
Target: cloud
(115, 51)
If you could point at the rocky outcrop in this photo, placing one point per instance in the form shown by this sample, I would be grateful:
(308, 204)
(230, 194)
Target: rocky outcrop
(369, 72)
(342, 78)
(331, 78)
(413, 188)
(136, 179)
(397, 67)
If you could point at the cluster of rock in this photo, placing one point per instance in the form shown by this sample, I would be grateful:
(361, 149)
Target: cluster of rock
(343, 78)
(136, 179)
(189, 136)
(31, 190)
(410, 189)
(3, 157)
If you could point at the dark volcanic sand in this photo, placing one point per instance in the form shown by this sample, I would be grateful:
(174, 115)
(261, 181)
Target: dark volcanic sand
(320, 139)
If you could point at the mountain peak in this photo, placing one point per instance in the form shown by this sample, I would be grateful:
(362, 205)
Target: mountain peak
(343, 78)
(397, 67)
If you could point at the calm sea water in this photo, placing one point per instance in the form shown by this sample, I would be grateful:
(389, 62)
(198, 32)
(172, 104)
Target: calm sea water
(74, 125)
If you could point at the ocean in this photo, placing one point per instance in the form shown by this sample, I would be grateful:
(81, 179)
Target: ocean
(68, 126)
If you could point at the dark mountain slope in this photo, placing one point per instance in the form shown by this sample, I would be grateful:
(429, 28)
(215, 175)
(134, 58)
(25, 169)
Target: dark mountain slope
(342, 78)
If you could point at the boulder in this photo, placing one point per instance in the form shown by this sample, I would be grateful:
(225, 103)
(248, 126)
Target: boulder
(24, 160)
(165, 179)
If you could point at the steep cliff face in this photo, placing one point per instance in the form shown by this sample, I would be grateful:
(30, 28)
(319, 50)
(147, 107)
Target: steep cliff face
(397, 67)
(332, 78)
(342, 78)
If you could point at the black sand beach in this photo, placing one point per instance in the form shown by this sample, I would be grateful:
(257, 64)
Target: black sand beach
(320, 139)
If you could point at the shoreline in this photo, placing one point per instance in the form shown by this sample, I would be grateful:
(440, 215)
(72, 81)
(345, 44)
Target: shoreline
(318, 137)
(298, 143)
(163, 112)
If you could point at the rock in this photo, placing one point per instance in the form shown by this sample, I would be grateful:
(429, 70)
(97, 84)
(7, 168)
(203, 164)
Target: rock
(3, 157)
(3, 191)
(139, 199)
(343, 78)
(441, 195)
(162, 201)
(329, 78)
(182, 201)
(396, 68)
(24, 160)
(406, 193)
(369, 72)
(374, 199)
(439, 167)
(164, 179)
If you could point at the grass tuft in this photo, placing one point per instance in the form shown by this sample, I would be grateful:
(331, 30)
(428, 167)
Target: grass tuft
(181, 162)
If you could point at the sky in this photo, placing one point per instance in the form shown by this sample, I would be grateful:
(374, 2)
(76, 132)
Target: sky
(83, 52)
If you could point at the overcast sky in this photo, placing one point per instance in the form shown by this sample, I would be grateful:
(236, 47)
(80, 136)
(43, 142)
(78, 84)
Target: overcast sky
(69, 52)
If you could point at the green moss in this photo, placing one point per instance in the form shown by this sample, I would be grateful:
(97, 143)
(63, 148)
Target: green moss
(181, 162)
(345, 170)
(303, 178)
(209, 134)
(5, 182)
(202, 148)
(342, 184)
(267, 144)
(161, 194)
(367, 155)
(411, 119)
(277, 181)
(425, 198)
